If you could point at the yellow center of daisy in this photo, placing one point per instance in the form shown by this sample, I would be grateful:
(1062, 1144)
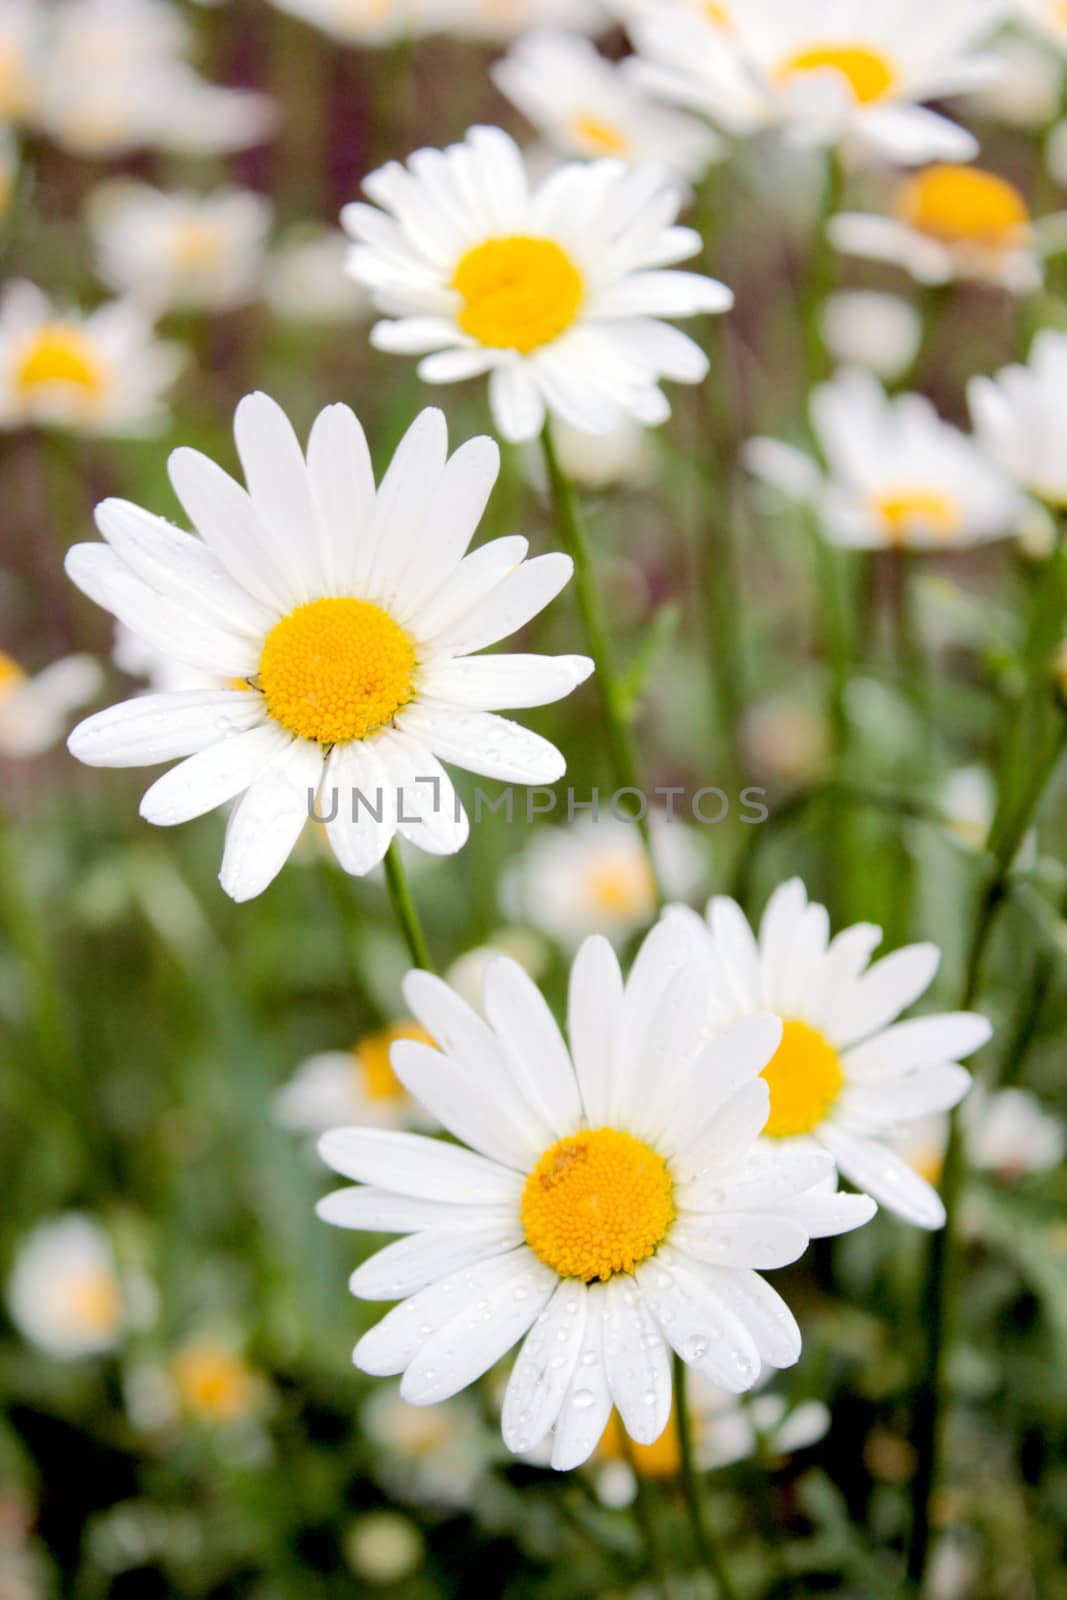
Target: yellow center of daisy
(11, 674)
(596, 1204)
(621, 887)
(197, 245)
(805, 1078)
(213, 1382)
(869, 75)
(962, 205)
(376, 1076)
(599, 137)
(661, 1459)
(336, 670)
(518, 293)
(919, 510)
(59, 353)
(715, 13)
(93, 1303)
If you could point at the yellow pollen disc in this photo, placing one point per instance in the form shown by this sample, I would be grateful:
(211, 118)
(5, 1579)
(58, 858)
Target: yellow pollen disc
(11, 674)
(93, 1303)
(518, 293)
(911, 511)
(716, 14)
(336, 670)
(867, 72)
(805, 1078)
(596, 1204)
(621, 887)
(963, 205)
(59, 353)
(376, 1076)
(213, 1382)
(598, 137)
(661, 1459)
(196, 245)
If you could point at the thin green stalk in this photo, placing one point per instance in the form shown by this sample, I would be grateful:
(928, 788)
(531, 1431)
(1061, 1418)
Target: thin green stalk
(708, 1551)
(645, 1517)
(616, 720)
(51, 1023)
(404, 909)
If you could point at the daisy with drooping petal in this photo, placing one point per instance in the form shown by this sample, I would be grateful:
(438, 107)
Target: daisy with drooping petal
(898, 476)
(589, 107)
(608, 1202)
(35, 711)
(357, 1085)
(1019, 418)
(182, 251)
(65, 1294)
(101, 372)
(950, 222)
(847, 1076)
(351, 614)
(556, 292)
(826, 72)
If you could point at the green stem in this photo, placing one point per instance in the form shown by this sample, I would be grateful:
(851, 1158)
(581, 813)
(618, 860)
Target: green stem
(645, 1517)
(404, 909)
(616, 720)
(708, 1551)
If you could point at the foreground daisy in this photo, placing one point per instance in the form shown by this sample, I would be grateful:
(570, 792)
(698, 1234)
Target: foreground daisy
(612, 1204)
(356, 1085)
(350, 616)
(556, 292)
(846, 1076)
(823, 72)
(898, 476)
(101, 372)
(950, 222)
(35, 711)
(64, 1293)
(1019, 418)
(588, 107)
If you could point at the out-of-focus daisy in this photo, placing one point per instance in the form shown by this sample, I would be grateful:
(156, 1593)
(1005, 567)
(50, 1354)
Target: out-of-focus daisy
(1019, 418)
(98, 372)
(21, 25)
(214, 1383)
(357, 1085)
(367, 23)
(969, 799)
(1009, 1133)
(593, 876)
(65, 1293)
(898, 476)
(590, 107)
(787, 737)
(624, 458)
(1048, 17)
(556, 292)
(305, 281)
(431, 1457)
(607, 1204)
(853, 72)
(352, 614)
(505, 19)
(180, 251)
(1028, 89)
(950, 222)
(35, 711)
(847, 1076)
(384, 1547)
(864, 328)
(466, 975)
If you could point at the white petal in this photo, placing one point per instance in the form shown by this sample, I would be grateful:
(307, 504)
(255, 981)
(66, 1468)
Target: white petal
(586, 1407)
(414, 1165)
(764, 1313)
(276, 474)
(509, 606)
(725, 1066)
(484, 744)
(697, 1322)
(224, 516)
(881, 1173)
(342, 486)
(533, 1045)
(544, 1368)
(429, 813)
(500, 683)
(465, 1104)
(919, 1042)
(403, 1268)
(269, 820)
(356, 786)
(462, 496)
(372, 1210)
(881, 994)
(213, 776)
(636, 1361)
(403, 510)
(725, 1141)
(517, 406)
(594, 1007)
(926, 1092)
(741, 1239)
(162, 727)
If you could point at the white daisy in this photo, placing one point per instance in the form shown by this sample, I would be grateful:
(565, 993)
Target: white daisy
(557, 292)
(1009, 1133)
(99, 372)
(1029, 89)
(1019, 418)
(846, 1076)
(898, 476)
(590, 107)
(433, 1457)
(623, 458)
(64, 1293)
(864, 328)
(950, 222)
(35, 712)
(357, 1085)
(826, 71)
(352, 614)
(180, 251)
(305, 280)
(608, 1202)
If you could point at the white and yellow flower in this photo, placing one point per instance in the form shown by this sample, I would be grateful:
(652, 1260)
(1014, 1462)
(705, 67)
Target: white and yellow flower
(65, 1294)
(1019, 418)
(98, 372)
(825, 73)
(35, 711)
(607, 1202)
(624, 458)
(305, 279)
(214, 1383)
(1028, 91)
(865, 328)
(180, 251)
(434, 1457)
(847, 1077)
(950, 222)
(351, 613)
(898, 476)
(1009, 1133)
(357, 1085)
(590, 107)
(556, 292)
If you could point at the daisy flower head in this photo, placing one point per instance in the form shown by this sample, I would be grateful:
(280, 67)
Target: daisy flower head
(1028, 92)
(898, 476)
(64, 1293)
(345, 618)
(35, 711)
(556, 291)
(866, 328)
(1010, 1134)
(950, 222)
(847, 1077)
(1018, 416)
(180, 251)
(608, 1202)
(589, 107)
(357, 1085)
(854, 73)
(100, 372)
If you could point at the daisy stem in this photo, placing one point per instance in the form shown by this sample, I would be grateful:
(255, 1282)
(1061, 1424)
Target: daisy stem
(404, 909)
(708, 1551)
(616, 717)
